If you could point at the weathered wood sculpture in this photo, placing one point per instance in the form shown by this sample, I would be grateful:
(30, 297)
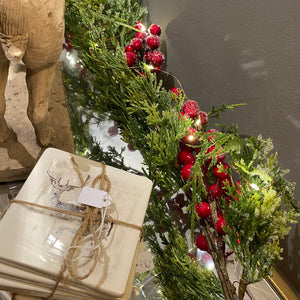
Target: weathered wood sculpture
(33, 31)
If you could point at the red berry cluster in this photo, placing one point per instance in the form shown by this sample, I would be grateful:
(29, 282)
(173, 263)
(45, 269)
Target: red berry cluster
(143, 48)
(217, 178)
(189, 144)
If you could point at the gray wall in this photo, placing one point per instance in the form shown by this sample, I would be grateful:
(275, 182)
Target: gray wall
(242, 51)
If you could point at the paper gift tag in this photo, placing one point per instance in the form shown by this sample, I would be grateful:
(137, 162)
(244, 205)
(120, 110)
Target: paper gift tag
(94, 197)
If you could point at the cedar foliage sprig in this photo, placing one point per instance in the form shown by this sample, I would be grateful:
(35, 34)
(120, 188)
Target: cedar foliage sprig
(148, 117)
(144, 112)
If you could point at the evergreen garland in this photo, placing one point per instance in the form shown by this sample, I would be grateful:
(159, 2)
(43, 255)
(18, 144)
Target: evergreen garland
(148, 117)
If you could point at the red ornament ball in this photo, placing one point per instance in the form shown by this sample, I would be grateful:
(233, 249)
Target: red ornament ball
(201, 243)
(155, 29)
(185, 157)
(130, 57)
(191, 108)
(157, 58)
(153, 42)
(219, 225)
(203, 210)
(136, 44)
(186, 172)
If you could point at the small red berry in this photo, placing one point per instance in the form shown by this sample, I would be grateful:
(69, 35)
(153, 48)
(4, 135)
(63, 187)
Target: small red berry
(130, 57)
(216, 191)
(148, 55)
(185, 147)
(136, 44)
(211, 136)
(186, 172)
(203, 210)
(220, 157)
(224, 181)
(220, 174)
(153, 42)
(156, 69)
(176, 91)
(128, 48)
(139, 26)
(203, 117)
(157, 58)
(155, 29)
(185, 157)
(183, 116)
(140, 35)
(201, 243)
(219, 225)
(191, 108)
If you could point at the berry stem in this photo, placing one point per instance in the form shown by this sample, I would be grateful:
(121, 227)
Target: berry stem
(219, 261)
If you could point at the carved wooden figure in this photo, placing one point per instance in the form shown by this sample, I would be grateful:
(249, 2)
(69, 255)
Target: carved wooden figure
(33, 31)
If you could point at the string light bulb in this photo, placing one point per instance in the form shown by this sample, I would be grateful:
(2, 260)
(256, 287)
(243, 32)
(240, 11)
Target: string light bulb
(254, 186)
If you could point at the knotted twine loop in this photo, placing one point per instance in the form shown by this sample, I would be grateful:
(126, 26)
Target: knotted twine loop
(90, 223)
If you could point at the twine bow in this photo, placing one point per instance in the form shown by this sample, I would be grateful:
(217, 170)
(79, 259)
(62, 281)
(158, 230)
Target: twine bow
(92, 216)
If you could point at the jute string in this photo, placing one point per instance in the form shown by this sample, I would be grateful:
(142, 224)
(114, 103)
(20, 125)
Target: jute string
(91, 218)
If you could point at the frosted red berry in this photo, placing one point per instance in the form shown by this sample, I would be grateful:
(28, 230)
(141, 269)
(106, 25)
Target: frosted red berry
(130, 57)
(176, 91)
(220, 157)
(155, 29)
(219, 225)
(183, 146)
(191, 108)
(157, 58)
(140, 35)
(217, 170)
(139, 25)
(211, 131)
(203, 210)
(186, 171)
(216, 191)
(185, 157)
(156, 69)
(203, 117)
(148, 55)
(153, 42)
(201, 243)
(128, 48)
(136, 44)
